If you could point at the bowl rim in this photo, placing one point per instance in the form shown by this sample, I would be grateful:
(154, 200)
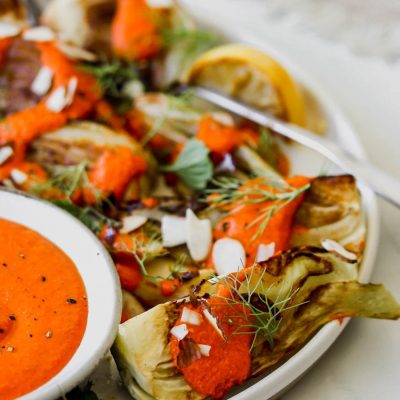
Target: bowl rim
(63, 381)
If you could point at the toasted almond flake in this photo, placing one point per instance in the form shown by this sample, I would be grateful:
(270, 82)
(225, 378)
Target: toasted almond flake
(39, 34)
(5, 153)
(42, 82)
(8, 29)
(133, 89)
(198, 236)
(71, 89)
(204, 349)
(173, 230)
(265, 251)
(191, 317)
(57, 100)
(179, 331)
(228, 256)
(213, 321)
(76, 53)
(132, 222)
(18, 176)
(8, 183)
(226, 165)
(332, 246)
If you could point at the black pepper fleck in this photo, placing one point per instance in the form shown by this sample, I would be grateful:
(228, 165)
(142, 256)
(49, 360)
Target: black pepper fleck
(4, 264)
(12, 317)
(225, 226)
(71, 301)
(43, 278)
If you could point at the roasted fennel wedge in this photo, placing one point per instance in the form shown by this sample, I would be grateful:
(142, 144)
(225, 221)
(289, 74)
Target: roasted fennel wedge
(280, 304)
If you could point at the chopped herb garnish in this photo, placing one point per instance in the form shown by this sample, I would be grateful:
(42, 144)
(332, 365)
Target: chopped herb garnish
(91, 217)
(229, 191)
(111, 77)
(188, 43)
(66, 179)
(261, 317)
(193, 165)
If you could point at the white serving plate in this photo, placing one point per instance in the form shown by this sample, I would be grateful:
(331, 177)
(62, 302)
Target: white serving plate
(303, 161)
(98, 274)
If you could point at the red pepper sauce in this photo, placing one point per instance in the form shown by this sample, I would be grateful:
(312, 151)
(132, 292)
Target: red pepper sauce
(229, 360)
(238, 224)
(43, 310)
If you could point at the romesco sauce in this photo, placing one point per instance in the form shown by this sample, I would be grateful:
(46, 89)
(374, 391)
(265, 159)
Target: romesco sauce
(43, 310)
(229, 360)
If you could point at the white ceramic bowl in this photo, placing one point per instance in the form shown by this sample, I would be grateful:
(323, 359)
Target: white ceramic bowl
(99, 276)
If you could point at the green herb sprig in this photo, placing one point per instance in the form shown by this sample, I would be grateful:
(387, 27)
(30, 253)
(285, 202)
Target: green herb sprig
(111, 77)
(190, 42)
(229, 191)
(252, 311)
(193, 165)
(67, 179)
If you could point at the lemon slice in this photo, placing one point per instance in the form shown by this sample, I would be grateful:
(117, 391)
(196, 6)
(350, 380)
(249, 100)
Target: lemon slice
(251, 76)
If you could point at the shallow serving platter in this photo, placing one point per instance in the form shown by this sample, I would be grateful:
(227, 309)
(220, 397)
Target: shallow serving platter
(306, 162)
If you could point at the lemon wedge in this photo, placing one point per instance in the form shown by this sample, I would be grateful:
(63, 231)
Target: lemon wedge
(252, 77)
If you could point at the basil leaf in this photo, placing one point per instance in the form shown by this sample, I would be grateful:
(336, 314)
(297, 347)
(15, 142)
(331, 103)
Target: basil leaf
(193, 165)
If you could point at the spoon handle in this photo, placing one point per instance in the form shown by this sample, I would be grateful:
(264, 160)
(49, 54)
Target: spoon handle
(383, 184)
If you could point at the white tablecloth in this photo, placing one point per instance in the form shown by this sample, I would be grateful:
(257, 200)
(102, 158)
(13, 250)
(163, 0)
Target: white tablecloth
(364, 363)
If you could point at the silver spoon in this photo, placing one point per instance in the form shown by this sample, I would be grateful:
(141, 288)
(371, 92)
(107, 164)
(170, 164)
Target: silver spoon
(383, 184)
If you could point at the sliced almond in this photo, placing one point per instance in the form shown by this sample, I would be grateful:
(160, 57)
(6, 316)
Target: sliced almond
(39, 34)
(57, 100)
(179, 331)
(198, 236)
(133, 89)
(5, 153)
(335, 247)
(71, 90)
(204, 349)
(173, 230)
(132, 222)
(8, 29)
(42, 82)
(227, 164)
(265, 251)
(18, 176)
(228, 256)
(191, 317)
(76, 53)
(213, 321)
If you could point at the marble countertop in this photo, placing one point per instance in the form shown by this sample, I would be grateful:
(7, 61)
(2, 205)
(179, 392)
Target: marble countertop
(364, 362)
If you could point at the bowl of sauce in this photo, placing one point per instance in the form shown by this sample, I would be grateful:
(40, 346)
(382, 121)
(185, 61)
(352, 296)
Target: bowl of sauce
(60, 299)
